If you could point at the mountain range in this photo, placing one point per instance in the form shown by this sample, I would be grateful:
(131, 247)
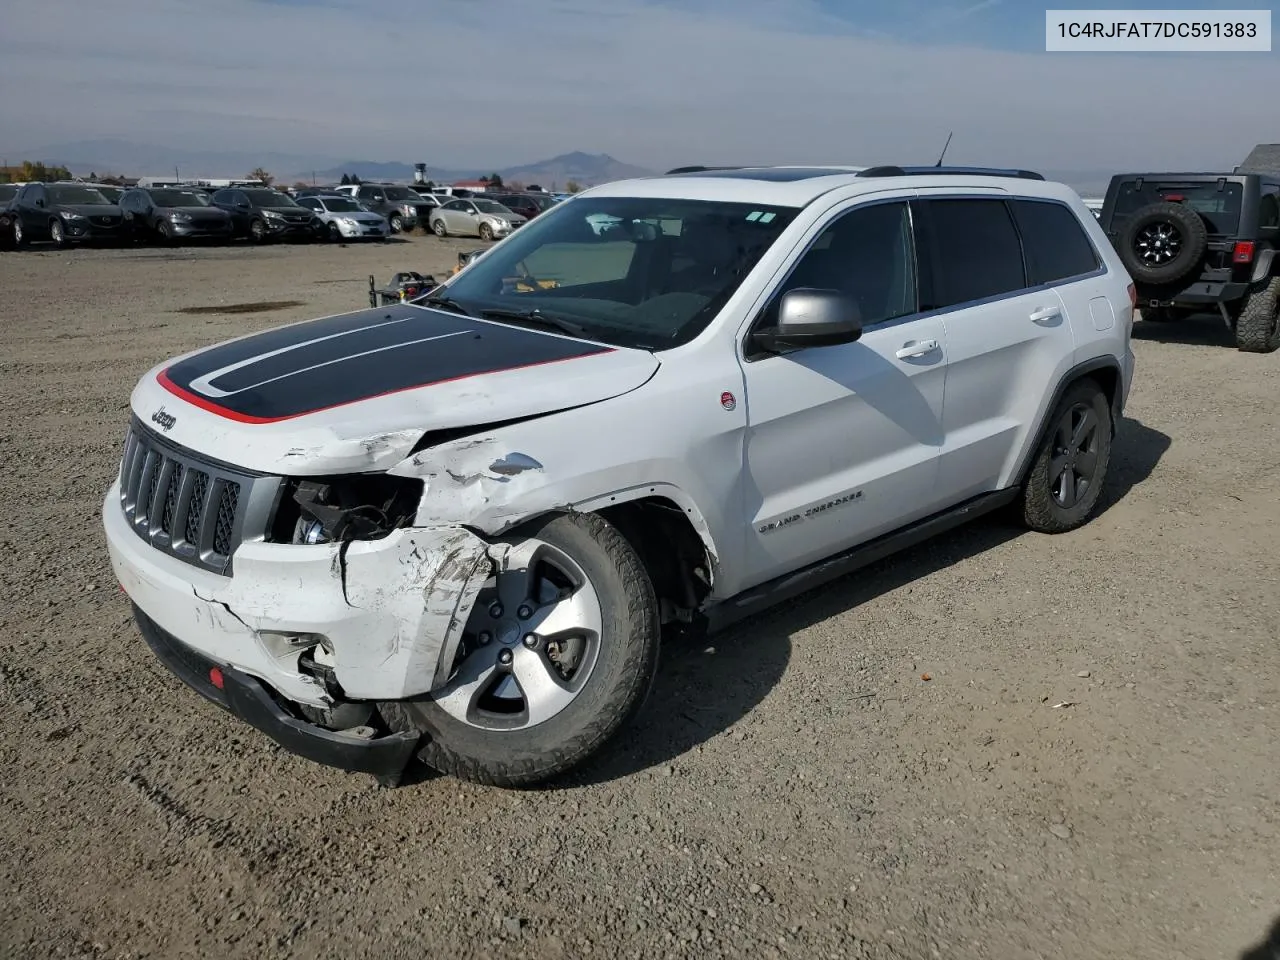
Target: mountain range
(127, 158)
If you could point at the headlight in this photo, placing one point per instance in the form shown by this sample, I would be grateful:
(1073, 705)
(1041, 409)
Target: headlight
(350, 221)
(272, 215)
(179, 217)
(504, 224)
(354, 507)
(68, 215)
(410, 211)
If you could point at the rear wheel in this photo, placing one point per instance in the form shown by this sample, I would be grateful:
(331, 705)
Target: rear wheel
(559, 652)
(1258, 326)
(1066, 478)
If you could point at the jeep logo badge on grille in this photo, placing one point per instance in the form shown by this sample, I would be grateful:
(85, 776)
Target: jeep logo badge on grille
(165, 420)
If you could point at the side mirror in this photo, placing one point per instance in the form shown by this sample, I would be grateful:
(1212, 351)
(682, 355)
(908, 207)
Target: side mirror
(808, 317)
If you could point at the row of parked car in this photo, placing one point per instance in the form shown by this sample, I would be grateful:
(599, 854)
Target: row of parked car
(66, 213)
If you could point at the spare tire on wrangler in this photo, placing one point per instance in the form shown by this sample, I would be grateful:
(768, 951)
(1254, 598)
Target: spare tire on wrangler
(1163, 242)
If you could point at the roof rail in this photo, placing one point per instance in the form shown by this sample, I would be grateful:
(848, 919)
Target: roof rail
(893, 171)
(697, 169)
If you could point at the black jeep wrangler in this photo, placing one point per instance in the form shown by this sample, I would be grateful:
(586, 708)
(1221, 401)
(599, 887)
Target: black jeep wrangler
(1201, 241)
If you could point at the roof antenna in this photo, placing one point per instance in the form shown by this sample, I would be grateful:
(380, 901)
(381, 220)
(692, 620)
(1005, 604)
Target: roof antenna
(944, 149)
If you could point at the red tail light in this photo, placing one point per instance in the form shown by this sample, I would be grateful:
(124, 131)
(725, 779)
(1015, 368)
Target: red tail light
(1243, 253)
(215, 677)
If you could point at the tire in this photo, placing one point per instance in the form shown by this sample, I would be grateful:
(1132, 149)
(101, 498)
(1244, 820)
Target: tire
(439, 229)
(57, 233)
(486, 232)
(165, 231)
(1258, 326)
(19, 235)
(257, 231)
(1048, 504)
(1162, 243)
(397, 222)
(467, 738)
(335, 232)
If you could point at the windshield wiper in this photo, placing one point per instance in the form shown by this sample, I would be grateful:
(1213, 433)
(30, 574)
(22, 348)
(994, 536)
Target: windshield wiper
(445, 303)
(537, 318)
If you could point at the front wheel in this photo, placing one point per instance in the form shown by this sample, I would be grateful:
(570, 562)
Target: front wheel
(397, 222)
(257, 231)
(57, 233)
(486, 232)
(19, 235)
(439, 229)
(560, 651)
(335, 232)
(1066, 478)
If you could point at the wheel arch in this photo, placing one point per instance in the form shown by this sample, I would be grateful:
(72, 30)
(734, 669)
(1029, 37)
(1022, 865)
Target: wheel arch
(661, 523)
(1106, 372)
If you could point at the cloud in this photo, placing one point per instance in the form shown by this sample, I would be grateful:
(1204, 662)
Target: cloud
(654, 83)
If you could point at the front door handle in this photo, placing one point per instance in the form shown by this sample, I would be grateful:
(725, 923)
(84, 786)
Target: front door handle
(916, 348)
(1046, 315)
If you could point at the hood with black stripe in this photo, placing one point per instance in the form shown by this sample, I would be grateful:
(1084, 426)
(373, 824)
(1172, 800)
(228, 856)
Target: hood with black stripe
(358, 391)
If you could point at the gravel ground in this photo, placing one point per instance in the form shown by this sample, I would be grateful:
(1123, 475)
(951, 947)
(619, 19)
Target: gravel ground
(796, 789)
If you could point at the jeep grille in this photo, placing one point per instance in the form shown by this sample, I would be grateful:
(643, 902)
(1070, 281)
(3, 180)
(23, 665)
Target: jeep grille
(188, 506)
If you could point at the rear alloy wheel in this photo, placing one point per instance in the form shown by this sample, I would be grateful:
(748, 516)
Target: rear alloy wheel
(57, 233)
(486, 232)
(1258, 326)
(560, 650)
(1162, 243)
(397, 222)
(1066, 478)
(439, 229)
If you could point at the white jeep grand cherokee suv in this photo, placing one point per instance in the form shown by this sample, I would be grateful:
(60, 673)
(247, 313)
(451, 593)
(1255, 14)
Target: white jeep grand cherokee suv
(453, 530)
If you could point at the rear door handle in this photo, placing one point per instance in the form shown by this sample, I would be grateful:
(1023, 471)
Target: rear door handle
(916, 348)
(1046, 315)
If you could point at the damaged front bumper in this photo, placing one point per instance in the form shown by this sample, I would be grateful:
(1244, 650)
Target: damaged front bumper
(388, 612)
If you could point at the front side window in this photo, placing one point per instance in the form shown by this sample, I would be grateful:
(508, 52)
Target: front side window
(456, 205)
(634, 271)
(973, 249)
(866, 253)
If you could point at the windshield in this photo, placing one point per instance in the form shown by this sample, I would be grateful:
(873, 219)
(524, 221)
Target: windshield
(269, 198)
(341, 205)
(399, 193)
(631, 271)
(1219, 208)
(179, 198)
(489, 206)
(79, 195)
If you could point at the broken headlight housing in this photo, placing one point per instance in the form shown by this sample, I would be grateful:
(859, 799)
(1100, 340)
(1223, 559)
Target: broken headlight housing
(352, 507)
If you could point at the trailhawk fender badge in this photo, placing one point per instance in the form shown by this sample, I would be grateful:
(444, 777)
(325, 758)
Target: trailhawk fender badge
(165, 420)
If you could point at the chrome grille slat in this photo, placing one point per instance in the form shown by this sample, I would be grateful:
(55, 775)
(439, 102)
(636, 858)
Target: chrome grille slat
(194, 509)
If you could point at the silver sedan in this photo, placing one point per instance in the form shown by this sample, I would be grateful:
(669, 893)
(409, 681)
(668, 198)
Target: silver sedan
(347, 219)
(474, 217)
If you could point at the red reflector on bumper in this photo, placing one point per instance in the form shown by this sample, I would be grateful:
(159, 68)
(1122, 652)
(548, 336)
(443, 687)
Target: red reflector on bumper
(215, 677)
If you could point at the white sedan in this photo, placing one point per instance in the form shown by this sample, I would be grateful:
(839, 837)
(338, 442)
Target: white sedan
(347, 219)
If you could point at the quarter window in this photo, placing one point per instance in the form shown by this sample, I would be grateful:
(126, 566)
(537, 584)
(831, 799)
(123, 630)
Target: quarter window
(1053, 242)
(1269, 209)
(866, 253)
(974, 252)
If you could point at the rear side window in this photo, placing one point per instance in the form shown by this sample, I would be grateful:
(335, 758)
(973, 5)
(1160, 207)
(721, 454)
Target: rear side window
(973, 252)
(1053, 242)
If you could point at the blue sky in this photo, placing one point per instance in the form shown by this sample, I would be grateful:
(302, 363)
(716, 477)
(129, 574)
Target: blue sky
(654, 82)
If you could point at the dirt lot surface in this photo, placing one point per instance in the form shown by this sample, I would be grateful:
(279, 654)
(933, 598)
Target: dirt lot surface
(1090, 771)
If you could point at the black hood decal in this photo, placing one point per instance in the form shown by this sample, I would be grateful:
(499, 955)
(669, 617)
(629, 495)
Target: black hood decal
(308, 367)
